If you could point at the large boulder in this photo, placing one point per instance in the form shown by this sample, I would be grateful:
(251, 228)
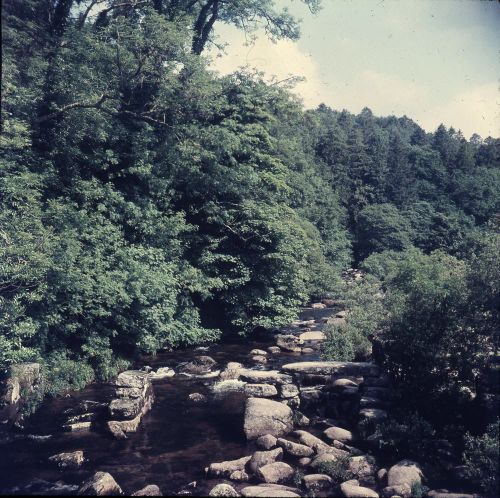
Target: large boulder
(71, 460)
(261, 458)
(100, 484)
(223, 490)
(404, 472)
(264, 416)
(275, 473)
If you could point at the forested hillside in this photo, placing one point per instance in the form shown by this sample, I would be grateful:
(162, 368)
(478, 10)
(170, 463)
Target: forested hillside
(149, 203)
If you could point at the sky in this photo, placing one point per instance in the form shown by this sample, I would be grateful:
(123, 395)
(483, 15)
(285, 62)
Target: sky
(435, 61)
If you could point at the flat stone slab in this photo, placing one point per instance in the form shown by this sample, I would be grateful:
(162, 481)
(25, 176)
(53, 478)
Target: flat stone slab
(312, 336)
(344, 368)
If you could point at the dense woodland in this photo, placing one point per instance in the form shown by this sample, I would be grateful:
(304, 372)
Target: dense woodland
(148, 203)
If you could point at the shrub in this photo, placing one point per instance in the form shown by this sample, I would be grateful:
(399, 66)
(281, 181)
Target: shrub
(338, 470)
(62, 374)
(481, 456)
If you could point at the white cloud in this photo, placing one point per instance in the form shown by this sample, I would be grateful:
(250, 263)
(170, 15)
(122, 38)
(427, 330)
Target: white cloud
(281, 60)
(473, 111)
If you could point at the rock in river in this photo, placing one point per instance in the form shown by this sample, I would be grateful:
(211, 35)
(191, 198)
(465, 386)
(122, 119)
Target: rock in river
(264, 416)
(72, 460)
(275, 473)
(100, 484)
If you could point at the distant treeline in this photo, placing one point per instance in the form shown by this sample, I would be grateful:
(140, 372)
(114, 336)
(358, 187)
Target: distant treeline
(147, 202)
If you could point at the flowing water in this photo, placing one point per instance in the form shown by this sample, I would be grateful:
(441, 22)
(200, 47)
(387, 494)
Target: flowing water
(175, 441)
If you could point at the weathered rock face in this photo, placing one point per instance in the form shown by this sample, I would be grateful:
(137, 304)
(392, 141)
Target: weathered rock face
(125, 408)
(289, 391)
(264, 416)
(100, 484)
(72, 460)
(132, 378)
(225, 469)
(261, 458)
(135, 398)
(150, 490)
(275, 473)
(295, 449)
(223, 490)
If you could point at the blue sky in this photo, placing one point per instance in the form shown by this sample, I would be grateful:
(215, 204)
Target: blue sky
(434, 61)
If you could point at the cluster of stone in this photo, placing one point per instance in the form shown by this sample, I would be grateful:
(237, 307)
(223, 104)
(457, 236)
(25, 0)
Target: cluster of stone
(135, 397)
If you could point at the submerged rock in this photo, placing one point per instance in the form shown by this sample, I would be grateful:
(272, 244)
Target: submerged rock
(71, 460)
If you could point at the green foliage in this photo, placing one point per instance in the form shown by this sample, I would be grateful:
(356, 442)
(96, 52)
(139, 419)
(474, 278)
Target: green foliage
(418, 490)
(481, 456)
(61, 374)
(381, 227)
(338, 469)
(409, 436)
(351, 339)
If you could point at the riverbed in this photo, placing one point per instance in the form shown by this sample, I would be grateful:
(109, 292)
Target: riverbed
(176, 440)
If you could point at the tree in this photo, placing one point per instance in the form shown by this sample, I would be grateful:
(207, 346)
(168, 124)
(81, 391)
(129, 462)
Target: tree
(381, 227)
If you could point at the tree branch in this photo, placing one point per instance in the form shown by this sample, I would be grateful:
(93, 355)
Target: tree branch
(75, 105)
